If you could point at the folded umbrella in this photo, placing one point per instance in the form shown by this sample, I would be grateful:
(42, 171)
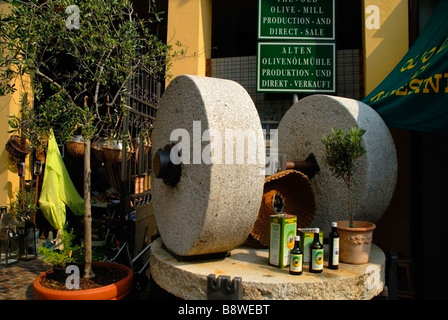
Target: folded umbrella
(58, 190)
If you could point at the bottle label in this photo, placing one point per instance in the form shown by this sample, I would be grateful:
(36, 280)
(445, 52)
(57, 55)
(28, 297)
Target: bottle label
(335, 252)
(289, 234)
(274, 244)
(296, 262)
(317, 259)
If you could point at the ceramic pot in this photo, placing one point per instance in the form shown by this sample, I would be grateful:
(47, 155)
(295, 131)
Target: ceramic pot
(115, 291)
(355, 243)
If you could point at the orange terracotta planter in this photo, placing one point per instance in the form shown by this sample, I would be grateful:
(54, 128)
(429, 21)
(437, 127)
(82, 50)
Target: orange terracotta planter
(115, 291)
(355, 243)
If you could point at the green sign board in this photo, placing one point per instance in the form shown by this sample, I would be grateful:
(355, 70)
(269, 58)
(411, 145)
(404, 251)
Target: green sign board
(296, 67)
(296, 19)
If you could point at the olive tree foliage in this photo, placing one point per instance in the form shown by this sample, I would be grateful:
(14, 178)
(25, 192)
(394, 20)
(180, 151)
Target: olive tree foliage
(342, 150)
(80, 56)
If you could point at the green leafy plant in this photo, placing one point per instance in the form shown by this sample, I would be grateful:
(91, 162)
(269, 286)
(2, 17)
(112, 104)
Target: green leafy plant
(22, 206)
(80, 72)
(69, 253)
(342, 149)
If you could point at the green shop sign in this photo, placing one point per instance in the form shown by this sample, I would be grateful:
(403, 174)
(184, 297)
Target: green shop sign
(296, 19)
(296, 67)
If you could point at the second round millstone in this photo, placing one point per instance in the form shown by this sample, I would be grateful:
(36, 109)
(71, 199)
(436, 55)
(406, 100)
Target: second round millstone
(212, 208)
(300, 134)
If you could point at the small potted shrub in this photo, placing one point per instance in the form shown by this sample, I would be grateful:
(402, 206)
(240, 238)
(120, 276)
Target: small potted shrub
(59, 253)
(342, 149)
(113, 281)
(22, 206)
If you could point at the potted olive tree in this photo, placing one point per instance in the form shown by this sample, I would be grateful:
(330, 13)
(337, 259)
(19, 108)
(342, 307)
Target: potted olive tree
(342, 150)
(80, 58)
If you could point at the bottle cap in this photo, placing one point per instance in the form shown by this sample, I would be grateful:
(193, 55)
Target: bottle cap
(297, 238)
(316, 230)
(334, 224)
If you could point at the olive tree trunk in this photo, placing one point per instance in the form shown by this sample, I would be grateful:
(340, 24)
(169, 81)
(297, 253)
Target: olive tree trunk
(88, 272)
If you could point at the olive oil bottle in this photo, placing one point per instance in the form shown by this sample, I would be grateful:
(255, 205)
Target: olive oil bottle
(316, 264)
(333, 244)
(296, 258)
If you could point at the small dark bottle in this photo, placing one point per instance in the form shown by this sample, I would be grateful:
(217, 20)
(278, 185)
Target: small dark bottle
(316, 254)
(333, 258)
(296, 258)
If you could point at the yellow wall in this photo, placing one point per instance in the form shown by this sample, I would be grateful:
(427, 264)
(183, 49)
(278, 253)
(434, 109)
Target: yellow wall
(384, 49)
(9, 180)
(386, 46)
(190, 23)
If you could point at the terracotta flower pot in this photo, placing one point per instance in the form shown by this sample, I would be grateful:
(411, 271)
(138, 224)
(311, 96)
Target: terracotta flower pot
(115, 291)
(355, 243)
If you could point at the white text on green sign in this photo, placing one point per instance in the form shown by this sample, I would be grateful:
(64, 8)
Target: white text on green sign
(296, 67)
(296, 19)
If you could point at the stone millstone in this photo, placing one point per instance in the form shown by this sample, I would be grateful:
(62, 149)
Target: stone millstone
(300, 133)
(213, 206)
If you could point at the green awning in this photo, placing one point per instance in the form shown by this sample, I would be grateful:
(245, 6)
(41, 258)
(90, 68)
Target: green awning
(414, 95)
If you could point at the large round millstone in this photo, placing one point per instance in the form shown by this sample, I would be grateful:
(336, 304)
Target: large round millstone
(300, 134)
(212, 208)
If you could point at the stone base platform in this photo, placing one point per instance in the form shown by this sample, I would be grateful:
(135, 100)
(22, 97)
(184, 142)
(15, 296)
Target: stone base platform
(261, 281)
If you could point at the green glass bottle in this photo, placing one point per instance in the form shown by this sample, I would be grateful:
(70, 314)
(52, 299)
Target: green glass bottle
(333, 257)
(316, 254)
(296, 258)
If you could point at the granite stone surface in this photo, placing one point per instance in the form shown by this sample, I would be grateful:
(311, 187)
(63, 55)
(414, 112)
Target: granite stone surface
(300, 134)
(215, 124)
(262, 281)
